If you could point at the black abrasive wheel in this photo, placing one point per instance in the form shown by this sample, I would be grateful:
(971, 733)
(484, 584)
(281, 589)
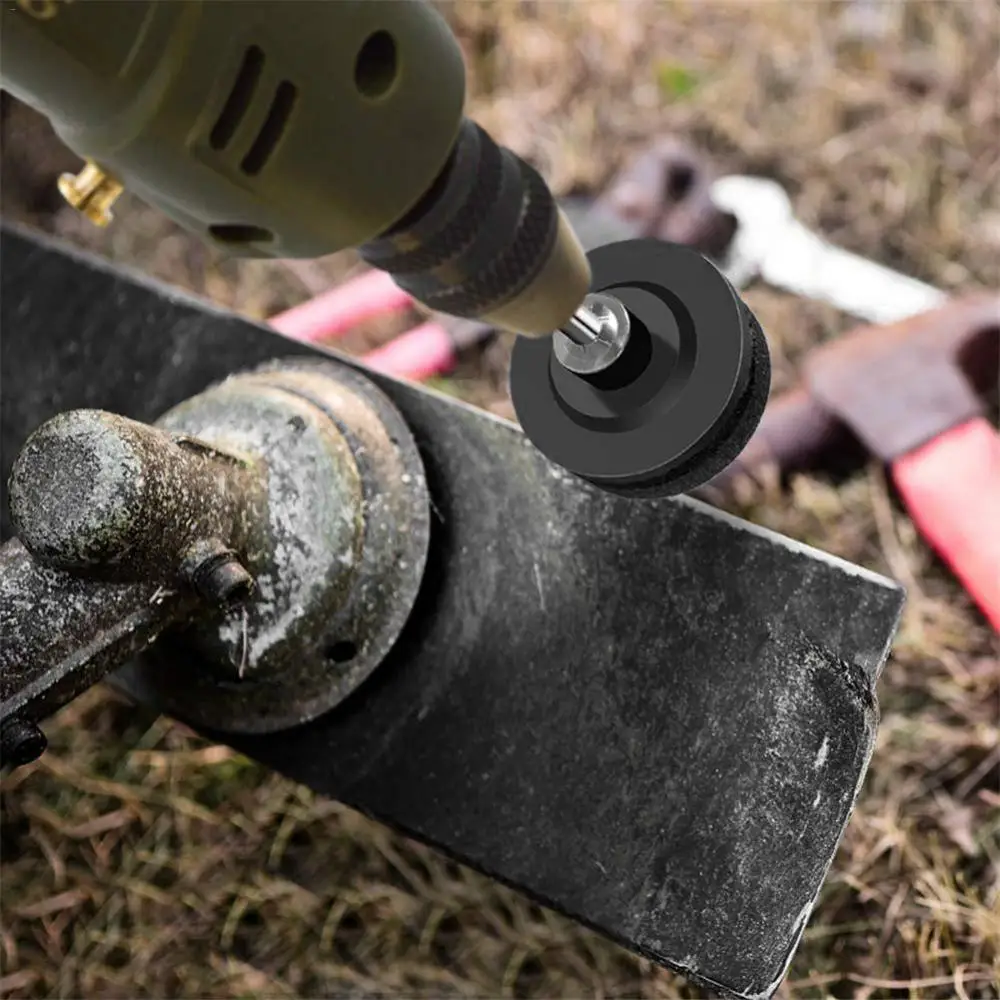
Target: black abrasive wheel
(684, 398)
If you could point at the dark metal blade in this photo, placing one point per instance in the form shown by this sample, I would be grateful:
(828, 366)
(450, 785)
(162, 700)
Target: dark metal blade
(651, 716)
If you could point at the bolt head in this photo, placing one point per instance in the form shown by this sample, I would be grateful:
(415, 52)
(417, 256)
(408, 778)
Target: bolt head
(228, 583)
(609, 343)
(21, 742)
(218, 575)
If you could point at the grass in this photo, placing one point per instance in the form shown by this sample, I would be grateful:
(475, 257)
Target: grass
(140, 861)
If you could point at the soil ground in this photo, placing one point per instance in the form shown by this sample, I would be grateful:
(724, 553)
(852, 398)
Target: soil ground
(139, 861)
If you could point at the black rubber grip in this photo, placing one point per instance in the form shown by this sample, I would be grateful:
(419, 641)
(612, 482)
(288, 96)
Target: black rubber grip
(482, 233)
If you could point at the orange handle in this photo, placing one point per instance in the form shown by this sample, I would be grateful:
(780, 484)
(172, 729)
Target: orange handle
(951, 486)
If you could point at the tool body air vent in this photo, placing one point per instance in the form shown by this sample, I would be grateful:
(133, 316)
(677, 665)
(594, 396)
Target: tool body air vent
(247, 88)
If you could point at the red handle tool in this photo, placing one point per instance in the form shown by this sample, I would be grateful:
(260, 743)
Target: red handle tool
(423, 352)
(908, 393)
(335, 312)
(951, 487)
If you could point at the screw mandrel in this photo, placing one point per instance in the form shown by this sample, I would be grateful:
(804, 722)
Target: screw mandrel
(685, 387)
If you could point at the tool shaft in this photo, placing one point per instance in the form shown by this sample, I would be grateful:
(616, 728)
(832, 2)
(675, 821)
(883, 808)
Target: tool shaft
(584, 326)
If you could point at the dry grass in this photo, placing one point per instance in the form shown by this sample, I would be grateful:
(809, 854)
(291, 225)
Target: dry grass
(139, 861)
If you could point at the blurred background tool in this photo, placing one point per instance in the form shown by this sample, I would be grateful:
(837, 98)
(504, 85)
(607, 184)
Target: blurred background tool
(665, 191)
(429, 349)
(910, 394)
(769, 243)
(747, 225)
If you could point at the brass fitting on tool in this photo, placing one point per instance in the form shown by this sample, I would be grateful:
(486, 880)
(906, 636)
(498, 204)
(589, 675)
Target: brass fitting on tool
(92, 192)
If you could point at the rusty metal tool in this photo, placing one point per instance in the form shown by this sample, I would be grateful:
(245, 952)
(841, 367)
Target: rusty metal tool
(911, 395)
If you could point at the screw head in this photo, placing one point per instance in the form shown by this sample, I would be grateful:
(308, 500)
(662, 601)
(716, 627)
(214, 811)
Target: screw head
(608, 327)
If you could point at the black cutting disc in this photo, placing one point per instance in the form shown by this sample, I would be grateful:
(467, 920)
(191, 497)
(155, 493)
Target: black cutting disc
(683, 400)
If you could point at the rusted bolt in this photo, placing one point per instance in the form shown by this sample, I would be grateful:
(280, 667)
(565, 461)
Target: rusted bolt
(217, 573)
(21, 742)
(227, 582)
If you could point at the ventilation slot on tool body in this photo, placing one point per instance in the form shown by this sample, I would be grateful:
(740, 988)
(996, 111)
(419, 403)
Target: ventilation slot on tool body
(239, 103)
(239, 100)
(272, 129)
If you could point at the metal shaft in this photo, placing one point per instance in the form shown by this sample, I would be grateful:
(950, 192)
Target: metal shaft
(103, 496)
(584, 326)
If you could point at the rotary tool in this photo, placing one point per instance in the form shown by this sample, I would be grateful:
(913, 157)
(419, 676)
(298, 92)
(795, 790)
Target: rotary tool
(300, 129)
